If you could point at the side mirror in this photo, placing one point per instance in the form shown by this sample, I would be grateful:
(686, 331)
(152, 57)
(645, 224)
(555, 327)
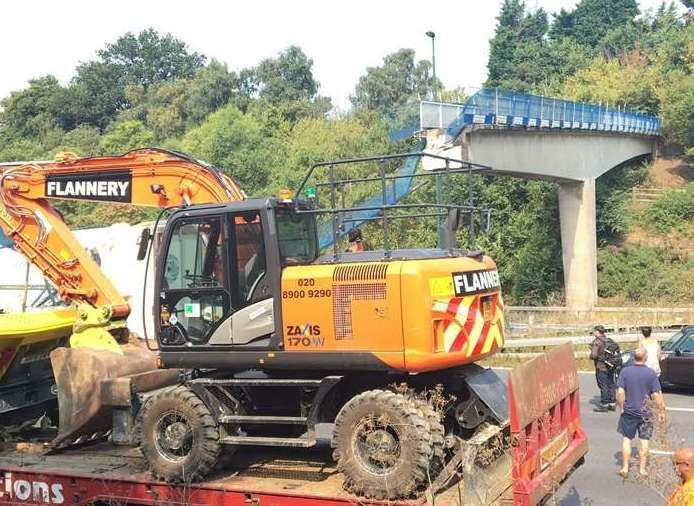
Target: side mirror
(678, 352)
(145, 237)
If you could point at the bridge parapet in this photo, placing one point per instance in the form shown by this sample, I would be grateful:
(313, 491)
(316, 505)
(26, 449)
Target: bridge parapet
(496, 106)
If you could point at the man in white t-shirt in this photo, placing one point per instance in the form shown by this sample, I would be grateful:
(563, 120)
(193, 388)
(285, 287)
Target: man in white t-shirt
(652, 347)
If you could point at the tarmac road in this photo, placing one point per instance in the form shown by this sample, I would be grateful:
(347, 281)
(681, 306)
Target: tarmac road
(596, 482)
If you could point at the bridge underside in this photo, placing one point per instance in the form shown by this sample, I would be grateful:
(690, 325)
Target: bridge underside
(573, 159)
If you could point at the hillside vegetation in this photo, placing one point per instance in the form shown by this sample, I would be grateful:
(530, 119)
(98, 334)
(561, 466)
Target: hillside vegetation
(265, 125)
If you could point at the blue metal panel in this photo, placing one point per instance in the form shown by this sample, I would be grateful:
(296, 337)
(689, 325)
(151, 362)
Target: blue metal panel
(5, 242)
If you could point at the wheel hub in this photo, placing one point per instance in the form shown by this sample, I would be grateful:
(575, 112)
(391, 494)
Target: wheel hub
(176, 435)
(173, 436)
(377, 446)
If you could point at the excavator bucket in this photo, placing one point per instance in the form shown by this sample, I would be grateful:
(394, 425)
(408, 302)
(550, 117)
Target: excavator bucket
(82, 376)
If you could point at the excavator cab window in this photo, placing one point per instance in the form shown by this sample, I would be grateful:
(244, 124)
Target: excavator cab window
(215, 267)
(194, 288)
(297, 235)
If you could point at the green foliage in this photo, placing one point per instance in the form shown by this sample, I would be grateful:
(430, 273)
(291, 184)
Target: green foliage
(148, 58)
(289, 77)
(645, 275)
(395, 83)
(234, 141)
(673, 210)
(591, 19)
(98, 91)
(41, 106)
(678, 108)
(612, 197)
(126, 136)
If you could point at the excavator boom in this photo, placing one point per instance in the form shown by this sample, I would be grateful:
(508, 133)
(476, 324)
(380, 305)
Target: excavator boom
(144, 177)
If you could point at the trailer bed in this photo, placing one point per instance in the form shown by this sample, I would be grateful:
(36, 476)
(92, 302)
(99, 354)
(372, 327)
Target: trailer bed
(101, 471)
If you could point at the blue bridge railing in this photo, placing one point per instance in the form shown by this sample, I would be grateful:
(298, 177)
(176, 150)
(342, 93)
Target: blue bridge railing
(495, 106)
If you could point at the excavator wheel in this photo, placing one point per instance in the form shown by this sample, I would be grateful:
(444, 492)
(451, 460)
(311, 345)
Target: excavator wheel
(383, 445)
(178, 436)
(438, 455)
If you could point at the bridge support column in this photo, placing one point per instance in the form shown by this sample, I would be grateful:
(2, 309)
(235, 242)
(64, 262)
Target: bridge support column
(579, 243)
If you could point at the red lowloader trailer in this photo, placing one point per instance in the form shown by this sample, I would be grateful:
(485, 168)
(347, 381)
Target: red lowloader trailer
(545, 443)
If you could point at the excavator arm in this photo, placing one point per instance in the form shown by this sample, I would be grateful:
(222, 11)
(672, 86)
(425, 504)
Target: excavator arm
(143, 177)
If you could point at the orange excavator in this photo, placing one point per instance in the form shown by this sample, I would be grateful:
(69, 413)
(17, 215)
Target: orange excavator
(263, 336)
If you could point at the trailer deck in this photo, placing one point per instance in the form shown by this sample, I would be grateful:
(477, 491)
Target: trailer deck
(276, 476)
(547, 442)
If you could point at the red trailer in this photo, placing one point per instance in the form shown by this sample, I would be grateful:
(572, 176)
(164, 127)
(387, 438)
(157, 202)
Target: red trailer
(546, 443)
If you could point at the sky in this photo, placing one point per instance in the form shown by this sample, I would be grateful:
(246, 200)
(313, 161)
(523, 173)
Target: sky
(40, 37)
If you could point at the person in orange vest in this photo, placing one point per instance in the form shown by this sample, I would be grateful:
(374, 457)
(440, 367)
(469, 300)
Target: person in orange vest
(684, 464)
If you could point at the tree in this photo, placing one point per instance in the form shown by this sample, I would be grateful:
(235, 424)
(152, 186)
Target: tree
(502, 45)
(592, 19)
(677, 98)
(43, 105)
(149, 58)
(235, 142)
(631, 83)
(97, 93)
(99, 88)
(395, 83)
(126, 136)
(519, 56)
(288, 77)
(212, 87)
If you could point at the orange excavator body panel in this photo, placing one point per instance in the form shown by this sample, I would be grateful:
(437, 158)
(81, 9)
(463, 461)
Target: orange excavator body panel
(414, 315)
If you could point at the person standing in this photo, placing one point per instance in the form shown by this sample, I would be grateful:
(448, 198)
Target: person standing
(604, 370)
(637, 387)
(652, 347)
(684, 465)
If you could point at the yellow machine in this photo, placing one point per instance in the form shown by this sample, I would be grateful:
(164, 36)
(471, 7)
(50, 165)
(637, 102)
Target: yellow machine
(27, 386)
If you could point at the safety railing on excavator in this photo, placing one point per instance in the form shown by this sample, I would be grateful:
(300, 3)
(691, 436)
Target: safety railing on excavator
(381, 206)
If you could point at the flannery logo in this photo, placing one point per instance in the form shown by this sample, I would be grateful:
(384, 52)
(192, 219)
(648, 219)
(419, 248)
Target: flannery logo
(467, 283)
(111, 187)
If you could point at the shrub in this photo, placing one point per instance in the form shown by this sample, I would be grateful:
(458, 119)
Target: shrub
(671, 211)
(645, 274)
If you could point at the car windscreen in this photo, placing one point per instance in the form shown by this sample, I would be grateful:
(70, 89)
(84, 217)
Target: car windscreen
(670, 343)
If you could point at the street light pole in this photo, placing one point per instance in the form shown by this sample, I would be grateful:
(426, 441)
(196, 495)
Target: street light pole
(439, 185)
(432, 35)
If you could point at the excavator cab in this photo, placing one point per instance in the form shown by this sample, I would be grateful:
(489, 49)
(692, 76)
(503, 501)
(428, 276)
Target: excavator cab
(219, 273)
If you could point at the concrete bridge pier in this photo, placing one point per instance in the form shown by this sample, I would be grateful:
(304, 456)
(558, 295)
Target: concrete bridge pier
(577, 219)
(571, 159)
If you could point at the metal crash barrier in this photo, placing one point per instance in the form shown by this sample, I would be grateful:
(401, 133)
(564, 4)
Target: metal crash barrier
(547, 438)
